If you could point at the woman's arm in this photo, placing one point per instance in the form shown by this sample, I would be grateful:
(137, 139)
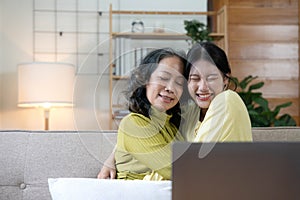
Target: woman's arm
(108, 170)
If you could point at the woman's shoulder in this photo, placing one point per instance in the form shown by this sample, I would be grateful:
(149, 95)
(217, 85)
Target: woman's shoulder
(133, 123)
(234, 97)
(230, 96)
(134, 117)
(227, 101)
(230, 93)
(234, 103)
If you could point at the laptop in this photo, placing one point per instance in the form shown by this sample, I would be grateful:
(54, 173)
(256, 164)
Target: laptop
(236, 171)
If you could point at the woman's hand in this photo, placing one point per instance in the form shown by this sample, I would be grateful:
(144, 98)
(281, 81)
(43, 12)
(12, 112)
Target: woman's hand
(107, 172)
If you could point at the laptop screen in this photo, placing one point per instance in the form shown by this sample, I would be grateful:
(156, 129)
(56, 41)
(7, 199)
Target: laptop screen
(236, 171)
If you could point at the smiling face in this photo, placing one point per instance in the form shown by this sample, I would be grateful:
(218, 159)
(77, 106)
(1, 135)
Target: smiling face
(165, 85)
(205, 82)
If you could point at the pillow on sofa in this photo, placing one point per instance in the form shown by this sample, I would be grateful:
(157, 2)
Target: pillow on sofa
(98, 189)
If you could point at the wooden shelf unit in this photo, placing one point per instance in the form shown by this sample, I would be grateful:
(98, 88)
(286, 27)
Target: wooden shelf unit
(151, 36)
(219, 37)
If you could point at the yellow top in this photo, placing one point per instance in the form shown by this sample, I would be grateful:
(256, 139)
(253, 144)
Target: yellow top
(144, 145)
(226, 120)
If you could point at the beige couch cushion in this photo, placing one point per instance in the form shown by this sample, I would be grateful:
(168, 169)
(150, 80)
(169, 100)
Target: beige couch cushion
(286, 134)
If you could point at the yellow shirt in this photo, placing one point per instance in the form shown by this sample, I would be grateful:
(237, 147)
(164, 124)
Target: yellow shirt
(144, 145)
(226, 120)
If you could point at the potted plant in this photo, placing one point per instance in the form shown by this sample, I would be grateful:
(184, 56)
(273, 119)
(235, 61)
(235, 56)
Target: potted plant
(258, 107)
(197, 31)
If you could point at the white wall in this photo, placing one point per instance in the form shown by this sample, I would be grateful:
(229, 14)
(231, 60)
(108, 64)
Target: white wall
(172, 23)
(16, 47)
(90, 91)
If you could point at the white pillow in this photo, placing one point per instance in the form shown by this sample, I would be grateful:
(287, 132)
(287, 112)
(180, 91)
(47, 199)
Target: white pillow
(98, 189)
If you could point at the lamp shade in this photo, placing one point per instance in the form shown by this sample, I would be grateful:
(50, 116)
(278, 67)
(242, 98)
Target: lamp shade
(45, 84)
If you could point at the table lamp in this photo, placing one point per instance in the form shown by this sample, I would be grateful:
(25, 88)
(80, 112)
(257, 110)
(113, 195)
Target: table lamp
(45, 85)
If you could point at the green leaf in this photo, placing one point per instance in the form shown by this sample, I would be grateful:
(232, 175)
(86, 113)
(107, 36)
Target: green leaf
(256, 86)
(244, 83)
(262, 102)
(253, 113)
(285, 120)
(284, 105)
(260, 121)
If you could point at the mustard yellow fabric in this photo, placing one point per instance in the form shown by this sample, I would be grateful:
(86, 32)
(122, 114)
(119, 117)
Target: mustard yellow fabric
(144, 145)
(226, 120)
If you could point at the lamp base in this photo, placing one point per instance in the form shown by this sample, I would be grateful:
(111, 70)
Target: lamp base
(46, 116)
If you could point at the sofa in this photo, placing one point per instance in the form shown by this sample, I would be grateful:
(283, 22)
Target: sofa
(29, 158)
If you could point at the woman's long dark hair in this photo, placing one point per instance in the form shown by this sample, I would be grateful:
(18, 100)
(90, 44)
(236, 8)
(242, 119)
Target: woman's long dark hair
(136, 92)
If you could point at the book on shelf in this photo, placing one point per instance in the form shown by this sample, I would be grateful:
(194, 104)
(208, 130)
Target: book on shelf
(137, 56)
(128, 62)
(127, 57)
(119, 114)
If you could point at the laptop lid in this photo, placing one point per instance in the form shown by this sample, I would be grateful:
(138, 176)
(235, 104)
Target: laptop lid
(236, 171)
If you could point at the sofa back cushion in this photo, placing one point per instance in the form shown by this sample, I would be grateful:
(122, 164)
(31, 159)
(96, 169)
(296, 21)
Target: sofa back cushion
(28, 159)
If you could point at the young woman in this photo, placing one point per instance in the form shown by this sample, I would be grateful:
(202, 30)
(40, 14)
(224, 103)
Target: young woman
(145, 135)
(222, 116)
